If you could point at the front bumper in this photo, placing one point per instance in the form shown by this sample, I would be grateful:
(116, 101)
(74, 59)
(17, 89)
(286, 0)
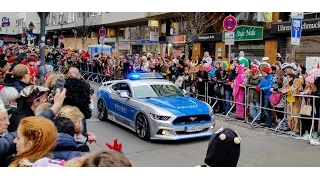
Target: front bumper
(179, 132)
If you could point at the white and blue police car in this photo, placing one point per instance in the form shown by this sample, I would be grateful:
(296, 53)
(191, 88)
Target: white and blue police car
(154, 108)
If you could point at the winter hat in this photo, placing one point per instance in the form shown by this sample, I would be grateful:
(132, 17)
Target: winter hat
(266, 69)
(244, 62)
(265, 59)
(254, 69)
(32, 59)
(208, 68)
(12, 59)
(263, 64)
(310, 79)
(289, 65)
(313, 72)
(223, 149)
(46, 162)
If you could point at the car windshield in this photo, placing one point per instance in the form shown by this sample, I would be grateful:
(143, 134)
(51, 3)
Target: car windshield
(157, 90)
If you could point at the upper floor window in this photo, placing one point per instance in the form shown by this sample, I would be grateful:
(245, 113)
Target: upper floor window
(55, 18)
(311, 15)
(70, 17)
(94, 13)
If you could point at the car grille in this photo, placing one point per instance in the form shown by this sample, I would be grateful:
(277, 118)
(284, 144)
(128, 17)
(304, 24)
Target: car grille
(191, 119)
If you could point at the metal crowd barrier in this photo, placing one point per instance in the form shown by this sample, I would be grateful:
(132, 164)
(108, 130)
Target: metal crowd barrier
(86, 71)
(246, 104)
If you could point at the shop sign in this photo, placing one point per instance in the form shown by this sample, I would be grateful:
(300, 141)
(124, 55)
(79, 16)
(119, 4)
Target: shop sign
(247, 33)
(154, 36)
(154, 23)
(285, 27)
(110, 40)
(179, 39)
(251, 46)
(125, 47)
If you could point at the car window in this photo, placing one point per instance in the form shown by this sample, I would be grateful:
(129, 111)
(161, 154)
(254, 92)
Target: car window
(115, 87)
(125, 87)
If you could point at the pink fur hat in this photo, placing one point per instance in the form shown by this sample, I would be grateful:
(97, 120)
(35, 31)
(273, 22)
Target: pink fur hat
(313, 72)
(310, 79)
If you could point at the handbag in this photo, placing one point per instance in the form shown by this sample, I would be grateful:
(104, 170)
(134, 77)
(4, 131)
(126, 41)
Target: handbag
(306, 109)
(275, 98)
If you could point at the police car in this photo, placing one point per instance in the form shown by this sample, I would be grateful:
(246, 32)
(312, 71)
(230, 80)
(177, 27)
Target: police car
(154, 108)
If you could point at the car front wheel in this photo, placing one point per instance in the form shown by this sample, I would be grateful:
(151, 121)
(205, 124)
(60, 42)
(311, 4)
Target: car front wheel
(142, 127)
(102, 110)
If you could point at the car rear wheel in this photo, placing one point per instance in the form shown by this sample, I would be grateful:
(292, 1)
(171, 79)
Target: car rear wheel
(142, 127)
(102, 110)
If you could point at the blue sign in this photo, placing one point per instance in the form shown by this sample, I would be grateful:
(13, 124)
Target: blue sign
(296, 30)
(5, 22)
(146, 42)
(296, 27)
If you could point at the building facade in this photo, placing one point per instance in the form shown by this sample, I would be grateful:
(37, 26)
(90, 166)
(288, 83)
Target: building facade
(310, 39)
(252, 36)
(128, 32)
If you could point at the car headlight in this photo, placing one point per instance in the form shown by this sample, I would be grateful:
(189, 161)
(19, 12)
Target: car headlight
(158, 117)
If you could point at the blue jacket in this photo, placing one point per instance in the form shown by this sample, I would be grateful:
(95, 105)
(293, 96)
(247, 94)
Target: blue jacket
(7, 147)
(66, 148)
(266, 84)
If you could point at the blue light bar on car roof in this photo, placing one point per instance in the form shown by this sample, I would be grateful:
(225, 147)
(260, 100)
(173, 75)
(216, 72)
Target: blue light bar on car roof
(137, 76)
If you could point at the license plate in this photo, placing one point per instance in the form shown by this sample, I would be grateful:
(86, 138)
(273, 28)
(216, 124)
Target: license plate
(194, 129)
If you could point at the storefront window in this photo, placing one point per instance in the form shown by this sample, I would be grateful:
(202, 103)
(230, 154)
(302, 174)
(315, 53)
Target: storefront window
(252, 49)
(152, 49)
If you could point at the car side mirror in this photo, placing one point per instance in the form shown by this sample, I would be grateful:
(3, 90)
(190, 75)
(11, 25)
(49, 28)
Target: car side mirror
(185, 92)
(124, 94)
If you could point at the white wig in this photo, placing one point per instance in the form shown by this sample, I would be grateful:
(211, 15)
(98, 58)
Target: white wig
(8, 94)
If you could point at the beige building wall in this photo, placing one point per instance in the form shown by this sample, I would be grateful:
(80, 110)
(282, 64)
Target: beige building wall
(73, 44)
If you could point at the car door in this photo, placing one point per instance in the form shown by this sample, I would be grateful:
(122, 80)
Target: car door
(112, 96)
(123, 106)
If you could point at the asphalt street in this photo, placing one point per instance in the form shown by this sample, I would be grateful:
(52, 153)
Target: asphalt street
(259, 147)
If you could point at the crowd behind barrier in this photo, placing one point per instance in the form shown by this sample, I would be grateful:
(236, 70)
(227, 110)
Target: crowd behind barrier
(100, 76)
(88, 72)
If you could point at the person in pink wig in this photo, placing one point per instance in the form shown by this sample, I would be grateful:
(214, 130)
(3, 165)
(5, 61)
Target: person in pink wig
(239, 92)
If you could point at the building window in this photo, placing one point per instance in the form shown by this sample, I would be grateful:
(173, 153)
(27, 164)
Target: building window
(311, 15)
(61, 17)
(94, 13)
(54, 18)
(81, 14)
(48, 21)
(70, 17)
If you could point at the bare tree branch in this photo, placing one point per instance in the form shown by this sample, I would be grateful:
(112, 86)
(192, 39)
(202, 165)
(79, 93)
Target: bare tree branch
(192, 24)
(84, 25)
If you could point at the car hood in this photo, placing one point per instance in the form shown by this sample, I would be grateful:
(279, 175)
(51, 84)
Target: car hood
(179, 106)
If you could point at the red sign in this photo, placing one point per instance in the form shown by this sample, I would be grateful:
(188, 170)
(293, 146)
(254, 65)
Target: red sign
(179, 39)
(48, 41)
(61, 37)
(229, 23)
(102, 31)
